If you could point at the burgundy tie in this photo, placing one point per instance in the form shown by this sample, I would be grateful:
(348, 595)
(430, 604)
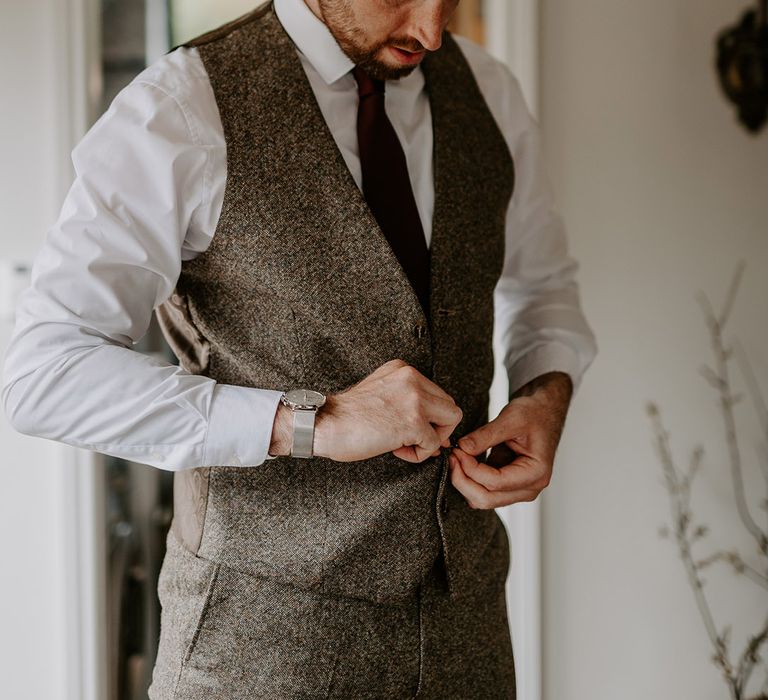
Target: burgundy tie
(387, 187)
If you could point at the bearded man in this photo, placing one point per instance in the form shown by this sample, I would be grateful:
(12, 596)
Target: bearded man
(328, 204)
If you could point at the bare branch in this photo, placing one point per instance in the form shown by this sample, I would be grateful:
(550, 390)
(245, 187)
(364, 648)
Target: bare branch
(750, 656)
(737, 563)
(711, 376)
(680, 519)
(726, 406)
(679, 485)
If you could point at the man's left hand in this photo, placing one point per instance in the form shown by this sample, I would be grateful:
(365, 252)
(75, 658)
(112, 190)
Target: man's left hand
(523, 439)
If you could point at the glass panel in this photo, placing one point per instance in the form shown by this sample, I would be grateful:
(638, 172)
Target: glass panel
(122, 44)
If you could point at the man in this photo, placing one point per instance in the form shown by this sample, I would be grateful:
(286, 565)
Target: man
(328, 203)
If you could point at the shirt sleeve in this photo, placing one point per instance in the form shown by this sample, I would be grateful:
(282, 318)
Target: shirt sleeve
(142, 184)
(538, 309)
(539, 319)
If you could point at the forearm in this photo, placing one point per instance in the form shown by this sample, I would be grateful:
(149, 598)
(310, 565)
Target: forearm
(557, 384)
(86, 392)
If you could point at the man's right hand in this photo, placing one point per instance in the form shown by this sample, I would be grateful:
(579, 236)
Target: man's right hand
(394, 409)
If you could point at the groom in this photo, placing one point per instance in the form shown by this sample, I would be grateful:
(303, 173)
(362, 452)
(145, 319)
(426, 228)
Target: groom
(374, 565)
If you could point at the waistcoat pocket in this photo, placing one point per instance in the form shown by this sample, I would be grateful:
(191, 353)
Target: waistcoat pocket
(260, 638)
(184, 587)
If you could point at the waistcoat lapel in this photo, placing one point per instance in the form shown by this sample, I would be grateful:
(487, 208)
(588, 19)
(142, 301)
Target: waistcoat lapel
(474, 180)
(317, 232)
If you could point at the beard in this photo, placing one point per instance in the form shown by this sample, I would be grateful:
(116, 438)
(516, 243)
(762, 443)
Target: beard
(340, 20)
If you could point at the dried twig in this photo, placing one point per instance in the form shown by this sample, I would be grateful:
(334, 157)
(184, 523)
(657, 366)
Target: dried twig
(679, 484)
(738, 564)
(720, 379)
(679, 487)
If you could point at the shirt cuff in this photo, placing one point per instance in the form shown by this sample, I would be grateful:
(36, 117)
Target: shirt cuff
(240, 425)
(552, 357)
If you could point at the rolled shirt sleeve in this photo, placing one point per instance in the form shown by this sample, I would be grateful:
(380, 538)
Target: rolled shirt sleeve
(139, 204)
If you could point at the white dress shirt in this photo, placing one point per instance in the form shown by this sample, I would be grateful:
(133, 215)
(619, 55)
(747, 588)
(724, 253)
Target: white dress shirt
(147, 194)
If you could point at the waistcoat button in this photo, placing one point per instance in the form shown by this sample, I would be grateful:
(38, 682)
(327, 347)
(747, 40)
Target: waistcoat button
(419, 330)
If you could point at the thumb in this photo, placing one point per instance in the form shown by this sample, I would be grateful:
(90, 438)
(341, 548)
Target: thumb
(480, 439)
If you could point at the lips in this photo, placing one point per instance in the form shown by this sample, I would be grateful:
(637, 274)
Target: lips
(407, 56)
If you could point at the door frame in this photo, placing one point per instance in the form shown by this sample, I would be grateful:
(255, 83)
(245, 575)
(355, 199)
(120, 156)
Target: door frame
(513, 37)
(80, 473)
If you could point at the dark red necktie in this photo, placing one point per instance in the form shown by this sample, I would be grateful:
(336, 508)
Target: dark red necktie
(387, 187)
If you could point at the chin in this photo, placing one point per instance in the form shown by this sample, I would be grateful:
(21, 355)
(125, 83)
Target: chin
(384, 70)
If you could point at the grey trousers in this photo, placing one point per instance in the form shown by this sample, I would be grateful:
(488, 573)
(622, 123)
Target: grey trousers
(226, 635)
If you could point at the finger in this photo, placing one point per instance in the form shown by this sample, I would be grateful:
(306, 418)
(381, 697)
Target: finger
(444, 433)
(524, 472)
(427, 445)
(443, 413)
(479, 497)
(414, 453)
(427, 389)
(504, 427)
(407, 453)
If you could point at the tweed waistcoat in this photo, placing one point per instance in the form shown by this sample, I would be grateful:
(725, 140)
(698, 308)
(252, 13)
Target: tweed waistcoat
(300, 288)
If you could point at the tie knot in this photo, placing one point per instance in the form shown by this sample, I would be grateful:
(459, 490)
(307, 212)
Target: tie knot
(366, 85)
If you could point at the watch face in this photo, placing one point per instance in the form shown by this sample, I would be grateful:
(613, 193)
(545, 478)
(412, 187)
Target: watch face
(304, 398)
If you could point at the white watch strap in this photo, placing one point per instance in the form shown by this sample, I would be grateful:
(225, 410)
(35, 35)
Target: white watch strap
(303, 432)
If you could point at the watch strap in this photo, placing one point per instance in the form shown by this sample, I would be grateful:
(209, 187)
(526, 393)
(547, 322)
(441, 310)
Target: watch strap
(303, 432)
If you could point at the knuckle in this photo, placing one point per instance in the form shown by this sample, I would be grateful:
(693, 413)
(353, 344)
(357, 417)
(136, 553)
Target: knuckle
(410, 375)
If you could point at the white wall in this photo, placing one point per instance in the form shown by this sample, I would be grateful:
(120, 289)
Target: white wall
(31, 654)
(47, 595)
(662, 193)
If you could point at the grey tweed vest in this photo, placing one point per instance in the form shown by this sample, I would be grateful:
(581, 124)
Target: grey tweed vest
(300, 288)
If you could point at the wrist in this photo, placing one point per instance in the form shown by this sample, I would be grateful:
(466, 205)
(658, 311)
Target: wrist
(282, 432)
(324, 424)
(555, 383)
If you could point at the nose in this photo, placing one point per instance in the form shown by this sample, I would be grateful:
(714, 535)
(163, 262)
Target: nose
(428, 22)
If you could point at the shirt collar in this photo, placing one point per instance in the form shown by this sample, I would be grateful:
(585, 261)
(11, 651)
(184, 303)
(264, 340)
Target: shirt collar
(313, 38)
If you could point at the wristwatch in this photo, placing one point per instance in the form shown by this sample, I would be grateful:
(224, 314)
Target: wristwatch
(304, 403)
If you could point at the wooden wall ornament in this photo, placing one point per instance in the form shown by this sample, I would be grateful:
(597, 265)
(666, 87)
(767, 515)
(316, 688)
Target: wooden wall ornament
(742, 66)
